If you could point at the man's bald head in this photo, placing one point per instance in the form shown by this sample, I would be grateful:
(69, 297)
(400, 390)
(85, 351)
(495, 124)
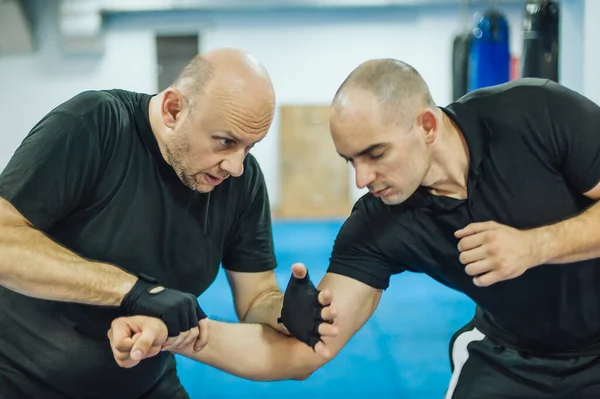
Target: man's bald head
(398, 88)
(227, 70)
(218, 108)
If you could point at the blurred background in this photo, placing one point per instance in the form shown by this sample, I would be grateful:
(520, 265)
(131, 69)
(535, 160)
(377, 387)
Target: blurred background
(50, 50)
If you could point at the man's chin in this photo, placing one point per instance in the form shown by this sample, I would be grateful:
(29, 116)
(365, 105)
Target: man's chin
(203, 188)
(194, 185)
(393, 199)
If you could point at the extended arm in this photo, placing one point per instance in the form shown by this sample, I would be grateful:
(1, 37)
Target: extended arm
(253, 351)
(34, 265)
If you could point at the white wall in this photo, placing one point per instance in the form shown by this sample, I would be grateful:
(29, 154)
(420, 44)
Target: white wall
(572, 54)
(33, 84)
(591, 62)
(307, 53)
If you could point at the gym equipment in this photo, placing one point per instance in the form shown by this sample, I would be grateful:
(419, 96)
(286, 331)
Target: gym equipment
(489, 56)
(541, 40)
(460, 57)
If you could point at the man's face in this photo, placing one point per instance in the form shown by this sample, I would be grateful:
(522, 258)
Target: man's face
(390, 159)
(209, 143)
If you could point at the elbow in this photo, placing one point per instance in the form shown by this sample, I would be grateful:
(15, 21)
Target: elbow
(303, 375)
(306, 370)
(298, 373)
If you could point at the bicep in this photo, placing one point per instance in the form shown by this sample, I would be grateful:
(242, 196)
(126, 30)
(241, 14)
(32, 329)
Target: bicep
(355, 301)
(247, 287)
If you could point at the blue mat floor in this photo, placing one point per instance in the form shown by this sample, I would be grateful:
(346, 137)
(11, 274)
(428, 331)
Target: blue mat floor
(401, 352)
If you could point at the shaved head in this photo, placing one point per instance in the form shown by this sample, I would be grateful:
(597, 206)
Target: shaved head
(398, 88)
(228, 70)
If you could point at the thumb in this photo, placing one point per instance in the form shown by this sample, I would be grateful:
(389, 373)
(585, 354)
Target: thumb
(299, 270)
(143, 344)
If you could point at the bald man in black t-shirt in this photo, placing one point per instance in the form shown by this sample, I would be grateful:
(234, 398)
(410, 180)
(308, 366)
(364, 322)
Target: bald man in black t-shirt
(120, 203)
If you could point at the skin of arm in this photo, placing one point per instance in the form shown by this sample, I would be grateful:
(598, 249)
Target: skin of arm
(572, 240)
(257, 298)
(252, 351)
(34, 265)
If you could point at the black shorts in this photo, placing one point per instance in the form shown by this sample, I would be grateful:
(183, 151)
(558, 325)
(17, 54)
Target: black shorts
(15, 385)
(484, 369)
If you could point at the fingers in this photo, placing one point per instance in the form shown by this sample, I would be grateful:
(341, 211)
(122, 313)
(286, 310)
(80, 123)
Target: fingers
(299, 270)
(135, 338)
(329, 313)
(473, 255)
(184, 339)
(202, 339)
(121, 331)
(328, 330)
(325, 297)
(478, 268)
(322, 350)
(488, 279)
(122, 349)
(471, 242)
(142, 345)
(474, 228)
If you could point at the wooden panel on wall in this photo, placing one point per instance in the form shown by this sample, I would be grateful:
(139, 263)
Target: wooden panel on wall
(314, 179)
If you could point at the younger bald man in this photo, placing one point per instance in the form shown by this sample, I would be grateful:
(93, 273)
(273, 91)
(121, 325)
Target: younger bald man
(121, 203)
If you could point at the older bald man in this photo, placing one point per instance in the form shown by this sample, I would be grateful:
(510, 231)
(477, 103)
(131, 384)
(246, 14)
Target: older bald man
(120, 203)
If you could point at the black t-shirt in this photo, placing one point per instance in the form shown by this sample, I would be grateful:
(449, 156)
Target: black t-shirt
(534, 150)
(90, 175)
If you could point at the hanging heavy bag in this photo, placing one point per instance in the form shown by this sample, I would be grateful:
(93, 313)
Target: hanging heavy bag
(460, 64)
(489, 56)
(540, 40)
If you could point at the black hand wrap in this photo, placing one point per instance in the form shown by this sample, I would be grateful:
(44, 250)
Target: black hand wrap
(301, 312)
(178, 310)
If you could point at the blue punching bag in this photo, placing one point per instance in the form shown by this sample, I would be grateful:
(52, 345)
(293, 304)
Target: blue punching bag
(489, 56)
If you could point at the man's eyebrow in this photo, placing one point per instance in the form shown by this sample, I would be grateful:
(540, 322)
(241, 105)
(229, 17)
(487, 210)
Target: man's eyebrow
(365, 151)
(234, 137)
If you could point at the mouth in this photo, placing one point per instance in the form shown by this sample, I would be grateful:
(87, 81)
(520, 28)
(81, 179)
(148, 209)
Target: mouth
(212, 180)
(381, 193)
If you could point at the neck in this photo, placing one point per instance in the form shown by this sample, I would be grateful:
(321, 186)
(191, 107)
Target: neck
(450, 163)
(156, 122)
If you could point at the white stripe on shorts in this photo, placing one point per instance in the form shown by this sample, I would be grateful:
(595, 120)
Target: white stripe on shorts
(460, 355)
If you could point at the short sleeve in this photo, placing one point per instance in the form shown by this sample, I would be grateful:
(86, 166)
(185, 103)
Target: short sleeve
(360, 250)
(52, 170)
(250, 245)
(576, 134)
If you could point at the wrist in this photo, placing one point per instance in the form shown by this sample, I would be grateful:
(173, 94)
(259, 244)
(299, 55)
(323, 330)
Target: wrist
(125, 288)
(539, 248)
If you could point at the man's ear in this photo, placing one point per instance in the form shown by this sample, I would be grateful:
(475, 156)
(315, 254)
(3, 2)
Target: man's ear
(171, 107)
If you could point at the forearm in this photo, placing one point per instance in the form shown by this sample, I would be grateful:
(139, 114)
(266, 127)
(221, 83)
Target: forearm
(34, 265)
(256, 352)
(572, 240)
(266, 309)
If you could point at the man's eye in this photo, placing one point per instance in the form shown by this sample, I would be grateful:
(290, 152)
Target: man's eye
(225, 142)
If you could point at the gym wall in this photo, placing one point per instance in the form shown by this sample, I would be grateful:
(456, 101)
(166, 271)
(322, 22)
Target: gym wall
(307, 53)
